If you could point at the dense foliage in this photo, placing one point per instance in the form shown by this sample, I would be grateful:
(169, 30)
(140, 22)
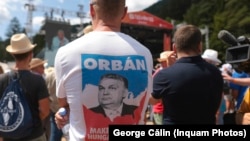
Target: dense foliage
(230, 15)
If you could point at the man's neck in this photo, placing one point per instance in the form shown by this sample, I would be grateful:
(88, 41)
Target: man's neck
(101, 26)
(22, 65)
(184, 54)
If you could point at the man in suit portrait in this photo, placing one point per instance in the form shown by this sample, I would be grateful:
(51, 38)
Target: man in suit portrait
(113, 89)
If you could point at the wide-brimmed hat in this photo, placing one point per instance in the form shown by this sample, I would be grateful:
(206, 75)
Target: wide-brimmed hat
(35, 62)
(19, 43)
(87, 29)
(211, 55)
(164, 56)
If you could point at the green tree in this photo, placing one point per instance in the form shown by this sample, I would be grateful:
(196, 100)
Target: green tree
(5, 55)
(1, 50)
(174, 9)
(14, 27)
(202, 14)
(231, 15)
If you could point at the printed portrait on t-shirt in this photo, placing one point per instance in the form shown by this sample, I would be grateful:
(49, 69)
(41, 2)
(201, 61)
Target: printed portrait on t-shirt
(114, 92)
(112, 89)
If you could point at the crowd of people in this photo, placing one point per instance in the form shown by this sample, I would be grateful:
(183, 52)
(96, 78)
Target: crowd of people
(105, 77)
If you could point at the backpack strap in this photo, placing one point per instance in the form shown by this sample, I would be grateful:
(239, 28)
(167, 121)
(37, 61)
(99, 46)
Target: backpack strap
(14, 75)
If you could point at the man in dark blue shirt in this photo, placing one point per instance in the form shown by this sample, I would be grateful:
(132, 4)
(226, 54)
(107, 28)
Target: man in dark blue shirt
(191, 88)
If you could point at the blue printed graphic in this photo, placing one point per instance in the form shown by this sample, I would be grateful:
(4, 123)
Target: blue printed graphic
(132, 67)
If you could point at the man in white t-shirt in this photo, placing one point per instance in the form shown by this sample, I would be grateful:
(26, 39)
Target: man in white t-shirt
(80, 64)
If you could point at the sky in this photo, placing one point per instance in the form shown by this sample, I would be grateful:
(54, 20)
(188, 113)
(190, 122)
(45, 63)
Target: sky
(16, 8)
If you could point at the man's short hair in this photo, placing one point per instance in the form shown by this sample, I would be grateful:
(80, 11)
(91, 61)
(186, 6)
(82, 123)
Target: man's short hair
(60, 31)
(116, 77)
(187, 38)
(22, 56)
(109, 9)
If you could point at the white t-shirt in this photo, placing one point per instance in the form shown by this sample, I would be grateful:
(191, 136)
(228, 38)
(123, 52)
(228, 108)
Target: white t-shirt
(79, 66)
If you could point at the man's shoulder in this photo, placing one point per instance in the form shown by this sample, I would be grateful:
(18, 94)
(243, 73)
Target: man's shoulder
(97, 108)
(36, 79)
(34, 75)
(126, 106)
(128, 109)
(55, 38)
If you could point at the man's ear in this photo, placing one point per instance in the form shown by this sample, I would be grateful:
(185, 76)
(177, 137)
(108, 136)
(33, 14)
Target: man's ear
(174, 48)
(125, 12)
(30, 56)
(200, 48)
(92, 11)
(126, 92)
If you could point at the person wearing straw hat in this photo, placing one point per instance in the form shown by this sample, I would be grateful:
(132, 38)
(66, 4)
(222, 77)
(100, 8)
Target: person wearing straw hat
(38, 65)
(167, 58)
(34, 85)
(86, 30)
